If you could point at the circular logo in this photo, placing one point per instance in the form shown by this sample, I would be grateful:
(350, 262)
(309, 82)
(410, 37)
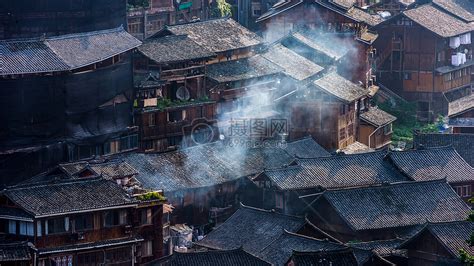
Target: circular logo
(202, 133)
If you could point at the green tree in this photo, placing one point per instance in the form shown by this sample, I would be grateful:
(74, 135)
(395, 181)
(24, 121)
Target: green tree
(225, 9)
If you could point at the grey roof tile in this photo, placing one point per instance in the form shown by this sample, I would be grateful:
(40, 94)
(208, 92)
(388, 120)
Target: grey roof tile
(461, 8)
(306, 148)
(337, 171)
(173, 48)
(218, 35)
(438, 21)
(343, 257)
(377, 117)
(398, 205)
(280, 250)
(14, 252)
(211, 258)
(461, 105)
(463, 143)
(201, 166)
(293, 64)
(68, 196)
(452, 235)
(247, 68)
(433, 163)
(340, 87)
(63, 53)
(382, 247)
(251, 228)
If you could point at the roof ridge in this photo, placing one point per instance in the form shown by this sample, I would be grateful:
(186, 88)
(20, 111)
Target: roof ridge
(393, 184)
(272, 211)
(88, 33)
(60, 183)
(343, 155)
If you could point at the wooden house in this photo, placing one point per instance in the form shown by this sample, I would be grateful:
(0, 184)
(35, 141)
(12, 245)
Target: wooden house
(385, 211)
(203, 183)
(462, 143)
(274, 237)
(327, 110)
(236, 84)
(375, 128)
(425, 54)
(393, 7)
(283, 189)
(344, 257)
(439, 243)
(436, 163)
(170, 91)
(82, 219)
(331, 16)
(224, 37)
(69, 99)
(461, 115)
(143, 22)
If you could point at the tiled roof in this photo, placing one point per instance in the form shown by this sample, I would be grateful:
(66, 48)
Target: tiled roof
(463, 9)
(217, 35)
(293, 64)
(211, 258)
(280, 250)
(15, 214)
(173, 48)
(363, 16)
(346, 4)
(438, 21)
(463, 143)
(68, 197)
(201, 166)
(320, 43)
(461, 105)
(382, 247)
(247, 68)
(377, 117)
(433, 163)
(335, 172)
(18, 251)
(63, 53)
(453, 236)
(356, 148)
(397, 205)
(251, 228)
(91, 245)
(306, 148)
(343, 257)
(340, 87)
(279, 7)
(461, 122)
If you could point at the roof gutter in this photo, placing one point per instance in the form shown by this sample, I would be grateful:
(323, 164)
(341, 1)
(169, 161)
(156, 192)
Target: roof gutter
(91, 247)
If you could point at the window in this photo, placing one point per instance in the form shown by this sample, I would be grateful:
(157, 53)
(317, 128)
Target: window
(447, 77)
(279, 201)
(440, 56)
(350, 130)
(387, 129)
(177, 116)
(145, 216)
(147, 248)
(114, 218)
(84, 222)
(407, 76)
(12, 227)
(56, 226)
(119, 256)
(151, 119)
(257, 12)
(464, 191)
(26, 229)
(342, 133)
(92, 258)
